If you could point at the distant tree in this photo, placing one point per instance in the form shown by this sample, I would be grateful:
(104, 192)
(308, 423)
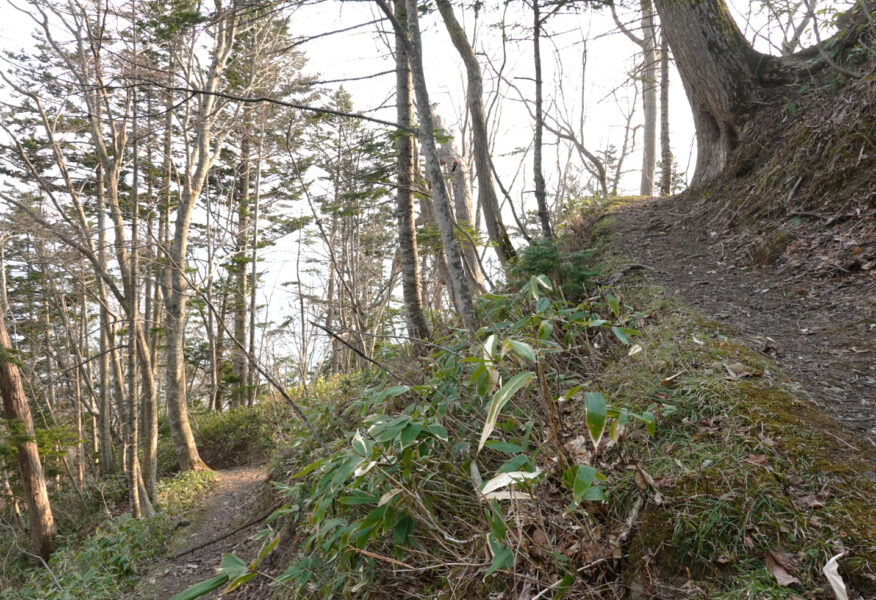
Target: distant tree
(648, 74)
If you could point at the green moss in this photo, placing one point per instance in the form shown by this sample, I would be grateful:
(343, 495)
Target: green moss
(744, 465)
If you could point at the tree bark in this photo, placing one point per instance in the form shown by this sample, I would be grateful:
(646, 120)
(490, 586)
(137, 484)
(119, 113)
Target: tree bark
(649, 99)
(722, 75)
(487, 198)
(665, 148)
(42, 523)
(460, 183)
(238, 356)
(462, 294)
(412, 294)
(540, 191)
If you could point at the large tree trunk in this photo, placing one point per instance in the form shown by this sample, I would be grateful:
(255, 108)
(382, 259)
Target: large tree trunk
(410, 265)
(480, 137)
(176, 297)
(42, 523)
(462, 294)
(722, 74)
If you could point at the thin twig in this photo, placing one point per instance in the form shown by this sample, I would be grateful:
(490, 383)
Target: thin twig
(357, 351)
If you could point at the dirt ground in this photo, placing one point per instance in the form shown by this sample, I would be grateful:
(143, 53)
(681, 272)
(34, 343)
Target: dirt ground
(236, 499)
(821, 330)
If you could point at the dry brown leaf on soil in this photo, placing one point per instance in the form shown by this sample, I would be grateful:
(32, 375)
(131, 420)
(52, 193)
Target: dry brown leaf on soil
(756, 459)
(783, 577)
(579, 449)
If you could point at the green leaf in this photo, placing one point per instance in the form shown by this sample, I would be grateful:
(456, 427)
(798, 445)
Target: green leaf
(239, 582)
(523, 350)
(410, 433)
(614, 304)
(438, 431)
(543, 304)
(504, 447)
(545, 329)
(619, 334)
(595, 405)
(565, 582)
(390, 392)
(515, 463)
(490, 348)
(578, 479)
(265, 551)
(497, 522)
(232, 566)
(359, 498)
(650, 421)
(594, 494)
(503, 558)
(402, 530)
(544, 282)
(201, 588)
(389, 430)
(309, 468)
(500, 399)
(361, 445)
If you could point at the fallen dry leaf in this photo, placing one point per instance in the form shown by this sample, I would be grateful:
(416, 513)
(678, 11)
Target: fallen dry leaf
(579, 449)
(787, 561)
(668, 381)
(756, 459)
(782, 576)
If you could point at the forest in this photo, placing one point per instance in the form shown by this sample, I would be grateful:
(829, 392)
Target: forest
(507, 299)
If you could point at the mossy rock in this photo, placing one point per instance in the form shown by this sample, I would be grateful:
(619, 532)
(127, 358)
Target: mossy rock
(771, 247)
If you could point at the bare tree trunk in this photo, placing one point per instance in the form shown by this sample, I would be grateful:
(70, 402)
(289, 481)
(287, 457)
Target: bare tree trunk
(665, 148)
(480, 137)
(252, 374)
(405, 172)
(460, 183)
(201, 155)
(42, 523)
(649, 99)
(540, 190)
(106, 441)
(458, 279)
(238, 356)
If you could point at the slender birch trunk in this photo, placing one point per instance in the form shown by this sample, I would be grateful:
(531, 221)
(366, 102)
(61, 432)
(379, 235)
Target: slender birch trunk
(462, 294)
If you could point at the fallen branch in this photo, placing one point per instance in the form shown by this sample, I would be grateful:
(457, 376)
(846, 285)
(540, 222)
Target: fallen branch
(617, 276)
(230, 533)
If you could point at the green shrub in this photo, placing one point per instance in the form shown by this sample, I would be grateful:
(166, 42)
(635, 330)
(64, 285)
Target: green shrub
(569, 271)
(104, 567)
(177, 494)
(232, 438)
(415, 472)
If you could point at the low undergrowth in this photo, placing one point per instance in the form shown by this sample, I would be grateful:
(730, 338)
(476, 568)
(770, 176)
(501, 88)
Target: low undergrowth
(743, 477)
(108, 562)
(232, 438)
(610, 445)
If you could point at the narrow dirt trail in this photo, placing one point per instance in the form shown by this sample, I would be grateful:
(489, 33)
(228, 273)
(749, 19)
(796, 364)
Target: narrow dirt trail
(821, 331)
(236, 499)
